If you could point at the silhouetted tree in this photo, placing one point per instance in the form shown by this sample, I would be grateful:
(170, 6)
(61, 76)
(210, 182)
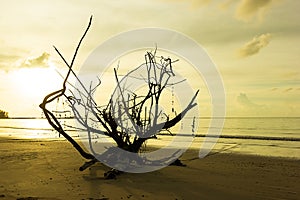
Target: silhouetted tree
(128, 118)
(3, 114)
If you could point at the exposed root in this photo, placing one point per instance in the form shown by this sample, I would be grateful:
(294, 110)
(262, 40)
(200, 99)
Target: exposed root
(178, 162)
(112, 174)
(87, 164)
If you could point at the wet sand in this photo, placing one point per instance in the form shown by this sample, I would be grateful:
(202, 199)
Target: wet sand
(32, 169)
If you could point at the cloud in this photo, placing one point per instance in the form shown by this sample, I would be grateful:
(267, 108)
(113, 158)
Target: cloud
(13, 62)
(40, 61)
(288, 89)
(194, 3)
(248, 9)
(6, 61)
(285, 89)
(226, 4)
(255, 45)
(274, 89)
(5, 58)
(199, 3)
(244, 101)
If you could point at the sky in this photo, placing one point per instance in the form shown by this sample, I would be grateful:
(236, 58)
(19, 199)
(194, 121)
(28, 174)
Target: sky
(255, 45)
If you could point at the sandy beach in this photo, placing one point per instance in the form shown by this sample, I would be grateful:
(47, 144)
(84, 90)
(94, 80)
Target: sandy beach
(42, 169)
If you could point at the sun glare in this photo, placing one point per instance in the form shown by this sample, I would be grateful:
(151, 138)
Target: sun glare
(35, 82)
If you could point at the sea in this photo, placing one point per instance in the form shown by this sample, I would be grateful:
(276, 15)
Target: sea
(267, 136)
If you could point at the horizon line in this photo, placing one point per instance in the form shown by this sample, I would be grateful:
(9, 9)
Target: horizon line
(204, 117)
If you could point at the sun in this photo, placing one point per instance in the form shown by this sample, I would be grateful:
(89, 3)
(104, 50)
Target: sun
(35, 82)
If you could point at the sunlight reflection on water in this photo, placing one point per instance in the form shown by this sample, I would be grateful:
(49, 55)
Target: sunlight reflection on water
(268, 127)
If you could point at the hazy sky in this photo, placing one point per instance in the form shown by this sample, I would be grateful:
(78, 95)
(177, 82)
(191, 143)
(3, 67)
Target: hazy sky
(254, 43)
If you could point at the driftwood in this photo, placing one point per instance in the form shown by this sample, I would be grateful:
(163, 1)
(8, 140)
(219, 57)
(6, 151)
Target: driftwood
(52, 120)
(134, 109)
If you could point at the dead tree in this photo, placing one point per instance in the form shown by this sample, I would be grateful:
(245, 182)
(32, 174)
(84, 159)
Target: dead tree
(128, 118)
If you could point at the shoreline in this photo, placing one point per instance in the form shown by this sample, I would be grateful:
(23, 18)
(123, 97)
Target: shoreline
(45, 169)
(239, 146)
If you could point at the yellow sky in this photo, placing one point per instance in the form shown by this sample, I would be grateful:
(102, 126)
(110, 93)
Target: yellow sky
(255, 44)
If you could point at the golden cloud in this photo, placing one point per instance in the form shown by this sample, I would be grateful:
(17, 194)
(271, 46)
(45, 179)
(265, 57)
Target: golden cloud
(255, 45)
(40, 61)
(194, 3)
(244, 101)
(247, 9)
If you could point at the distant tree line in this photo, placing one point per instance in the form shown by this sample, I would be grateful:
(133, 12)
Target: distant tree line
(3, 114)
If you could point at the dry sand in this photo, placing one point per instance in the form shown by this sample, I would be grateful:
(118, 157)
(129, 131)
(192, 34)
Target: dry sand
(49, 170)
